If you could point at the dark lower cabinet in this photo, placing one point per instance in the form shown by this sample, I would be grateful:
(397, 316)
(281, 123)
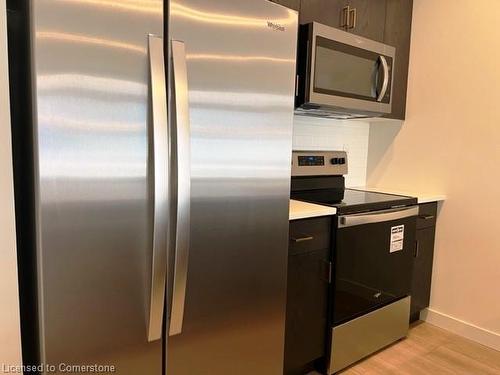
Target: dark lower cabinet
(422, 263)
(307, 294)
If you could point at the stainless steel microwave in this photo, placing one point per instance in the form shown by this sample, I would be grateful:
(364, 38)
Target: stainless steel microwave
(342, 75)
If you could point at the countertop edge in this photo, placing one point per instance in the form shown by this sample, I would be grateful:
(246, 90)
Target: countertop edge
(303, 210)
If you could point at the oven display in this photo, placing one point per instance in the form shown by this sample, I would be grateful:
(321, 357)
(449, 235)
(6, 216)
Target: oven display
(311, 160)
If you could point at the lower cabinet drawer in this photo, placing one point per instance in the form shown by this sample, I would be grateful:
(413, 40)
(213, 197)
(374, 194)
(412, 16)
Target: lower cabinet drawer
(309, 234)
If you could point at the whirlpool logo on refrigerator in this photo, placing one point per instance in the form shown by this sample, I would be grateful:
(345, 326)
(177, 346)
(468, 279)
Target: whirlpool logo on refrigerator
(275, 26)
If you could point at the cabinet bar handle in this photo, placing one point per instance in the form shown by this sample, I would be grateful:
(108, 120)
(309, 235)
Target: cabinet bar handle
(302, 239)
(352, 18)
(426, 217)
(345, 17)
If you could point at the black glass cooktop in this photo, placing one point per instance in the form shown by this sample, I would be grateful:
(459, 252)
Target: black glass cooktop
(353, 201)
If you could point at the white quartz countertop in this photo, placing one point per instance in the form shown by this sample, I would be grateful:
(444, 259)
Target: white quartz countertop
(304, 210)
(423, 197)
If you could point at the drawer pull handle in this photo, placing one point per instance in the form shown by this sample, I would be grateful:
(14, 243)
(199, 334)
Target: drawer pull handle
(302, 239)
(426, 217)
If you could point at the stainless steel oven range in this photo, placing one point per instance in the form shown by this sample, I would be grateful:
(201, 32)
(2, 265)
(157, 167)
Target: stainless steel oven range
(373, 246)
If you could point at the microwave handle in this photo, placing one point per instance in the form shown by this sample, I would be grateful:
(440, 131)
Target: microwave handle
(385, 83)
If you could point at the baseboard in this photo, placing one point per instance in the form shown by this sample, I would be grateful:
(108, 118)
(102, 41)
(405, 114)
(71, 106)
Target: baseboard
(462, 328)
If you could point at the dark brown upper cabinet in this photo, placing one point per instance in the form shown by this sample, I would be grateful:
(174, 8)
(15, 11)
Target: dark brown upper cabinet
(327, 12)
(397, 33)
(292, 4)
(361, 17)
(366, 18)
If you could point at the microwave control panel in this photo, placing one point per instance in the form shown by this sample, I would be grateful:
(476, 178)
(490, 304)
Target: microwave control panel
(319, 163)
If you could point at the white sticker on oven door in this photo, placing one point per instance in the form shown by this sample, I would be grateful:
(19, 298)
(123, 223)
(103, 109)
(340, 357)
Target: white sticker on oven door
(397, 238)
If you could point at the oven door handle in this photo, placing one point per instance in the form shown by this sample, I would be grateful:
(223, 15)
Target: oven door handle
(385, 83)
(376, 217)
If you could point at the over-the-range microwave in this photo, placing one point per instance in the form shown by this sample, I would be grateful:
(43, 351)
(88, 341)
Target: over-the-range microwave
(342, 75)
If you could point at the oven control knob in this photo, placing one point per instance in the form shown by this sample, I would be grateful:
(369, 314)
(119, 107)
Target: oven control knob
(334, 161)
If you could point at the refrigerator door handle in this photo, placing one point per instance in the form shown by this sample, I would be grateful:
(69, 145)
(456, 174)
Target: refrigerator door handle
(183, 173)
(160, 156)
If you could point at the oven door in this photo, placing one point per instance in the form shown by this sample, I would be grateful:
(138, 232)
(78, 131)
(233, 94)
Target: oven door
(347, 73)
(372, 261)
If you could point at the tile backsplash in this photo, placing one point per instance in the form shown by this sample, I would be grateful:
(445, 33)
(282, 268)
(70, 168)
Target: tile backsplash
(312, 133)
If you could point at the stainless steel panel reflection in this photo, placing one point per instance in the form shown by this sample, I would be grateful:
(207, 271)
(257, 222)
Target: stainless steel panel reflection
(241, 72)
(90, 72)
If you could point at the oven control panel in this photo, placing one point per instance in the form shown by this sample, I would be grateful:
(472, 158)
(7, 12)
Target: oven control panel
(319, 163)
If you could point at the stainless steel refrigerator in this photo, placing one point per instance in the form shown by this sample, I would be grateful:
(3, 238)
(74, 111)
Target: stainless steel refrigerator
(161, 139)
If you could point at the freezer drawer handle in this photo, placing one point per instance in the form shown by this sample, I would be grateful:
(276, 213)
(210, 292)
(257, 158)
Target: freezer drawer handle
(182, 151)
(376, 217)
(159, 147)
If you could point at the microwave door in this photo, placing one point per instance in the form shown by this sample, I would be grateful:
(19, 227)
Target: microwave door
(348, 74)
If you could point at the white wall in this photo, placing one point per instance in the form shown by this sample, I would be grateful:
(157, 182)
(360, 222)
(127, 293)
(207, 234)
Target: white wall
(450, 143)
(310, 133)
(10, 342)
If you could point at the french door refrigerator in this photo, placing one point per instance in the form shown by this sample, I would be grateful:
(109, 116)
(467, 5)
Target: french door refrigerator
(152, 167)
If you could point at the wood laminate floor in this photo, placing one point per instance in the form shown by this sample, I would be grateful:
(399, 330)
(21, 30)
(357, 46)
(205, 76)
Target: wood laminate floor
(430, 350)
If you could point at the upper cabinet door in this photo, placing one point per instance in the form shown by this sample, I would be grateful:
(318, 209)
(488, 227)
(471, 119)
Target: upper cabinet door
(367, 18)
(361, 17)
(292, 4)
(327, 12)
(397, 33)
